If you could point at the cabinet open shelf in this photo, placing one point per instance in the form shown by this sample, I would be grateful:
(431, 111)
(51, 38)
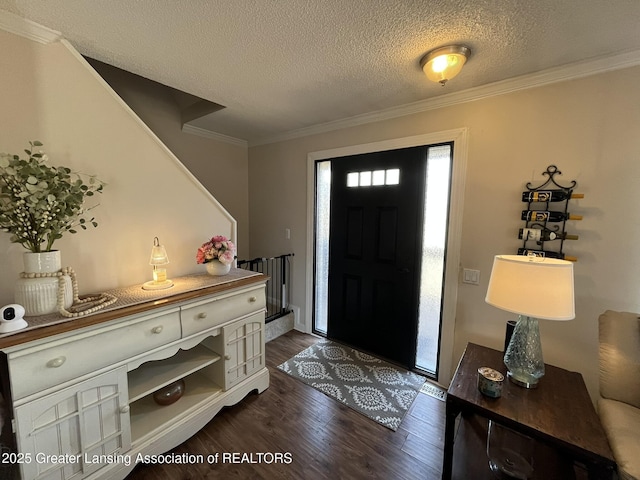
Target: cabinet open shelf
(151, 376)
(147, 416)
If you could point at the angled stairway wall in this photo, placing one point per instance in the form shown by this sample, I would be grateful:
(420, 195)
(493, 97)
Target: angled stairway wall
(54, 96)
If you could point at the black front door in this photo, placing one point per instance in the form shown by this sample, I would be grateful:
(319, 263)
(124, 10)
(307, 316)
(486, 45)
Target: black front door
(374, 251)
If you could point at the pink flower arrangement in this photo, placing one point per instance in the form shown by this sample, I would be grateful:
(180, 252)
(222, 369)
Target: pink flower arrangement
(218, 248)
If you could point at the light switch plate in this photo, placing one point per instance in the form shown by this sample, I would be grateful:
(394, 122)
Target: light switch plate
(471, 276)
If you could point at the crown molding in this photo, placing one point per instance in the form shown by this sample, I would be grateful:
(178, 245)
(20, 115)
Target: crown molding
(17, 25)
(202, 132)
(524, 82)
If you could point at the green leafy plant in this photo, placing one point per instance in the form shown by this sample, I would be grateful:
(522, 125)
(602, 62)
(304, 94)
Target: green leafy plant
(39, 203)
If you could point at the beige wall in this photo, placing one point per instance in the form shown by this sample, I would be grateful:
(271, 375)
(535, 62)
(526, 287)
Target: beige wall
(48, 93)
(588, 127)
(222, 167)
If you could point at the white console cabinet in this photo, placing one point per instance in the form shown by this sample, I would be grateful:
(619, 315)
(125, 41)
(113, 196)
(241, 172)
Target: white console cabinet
(81, 395)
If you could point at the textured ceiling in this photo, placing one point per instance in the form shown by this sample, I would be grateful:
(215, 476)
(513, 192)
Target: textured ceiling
(279, 66)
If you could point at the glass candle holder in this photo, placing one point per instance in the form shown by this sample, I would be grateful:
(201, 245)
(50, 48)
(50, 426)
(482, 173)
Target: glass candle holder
(510, 453)
(159, 275)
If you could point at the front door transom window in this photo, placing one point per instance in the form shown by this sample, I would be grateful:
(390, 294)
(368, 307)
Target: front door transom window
(374, 178)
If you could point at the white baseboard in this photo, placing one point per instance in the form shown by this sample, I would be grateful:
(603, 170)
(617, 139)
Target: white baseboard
(299, 323)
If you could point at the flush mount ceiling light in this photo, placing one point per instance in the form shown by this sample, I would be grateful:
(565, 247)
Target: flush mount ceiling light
(444, 63)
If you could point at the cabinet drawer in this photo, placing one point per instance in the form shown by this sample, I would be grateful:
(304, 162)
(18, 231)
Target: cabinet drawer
(219, 309)
(38, 368)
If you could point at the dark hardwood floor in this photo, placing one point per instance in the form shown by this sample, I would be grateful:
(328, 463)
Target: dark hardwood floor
(322, 438)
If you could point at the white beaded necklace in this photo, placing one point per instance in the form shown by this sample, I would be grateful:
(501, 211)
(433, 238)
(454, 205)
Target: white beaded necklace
(80, 306)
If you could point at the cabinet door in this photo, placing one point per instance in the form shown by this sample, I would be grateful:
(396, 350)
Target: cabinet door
(75, 431)
(244, 349)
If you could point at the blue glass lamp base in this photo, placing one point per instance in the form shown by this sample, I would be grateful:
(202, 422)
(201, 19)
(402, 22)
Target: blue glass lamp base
(523, 357)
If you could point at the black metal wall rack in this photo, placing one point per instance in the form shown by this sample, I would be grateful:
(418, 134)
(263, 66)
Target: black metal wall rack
(539, 243)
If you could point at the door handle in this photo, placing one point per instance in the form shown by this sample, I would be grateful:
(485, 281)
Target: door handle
(403, 270)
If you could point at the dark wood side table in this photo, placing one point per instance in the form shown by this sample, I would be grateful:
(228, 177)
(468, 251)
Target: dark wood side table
(558, 414)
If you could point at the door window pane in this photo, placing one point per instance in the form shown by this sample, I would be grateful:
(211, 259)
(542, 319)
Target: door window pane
(434, 238)
(378, 177)
(365, 179)
(323, 203)
(393, 176)
(352, 178)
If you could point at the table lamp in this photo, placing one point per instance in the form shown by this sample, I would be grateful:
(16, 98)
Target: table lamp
(159, 258)
(534, 288)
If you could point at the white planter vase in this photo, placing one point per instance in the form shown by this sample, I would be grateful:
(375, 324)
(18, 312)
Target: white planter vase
(39, 295)
(216, 267)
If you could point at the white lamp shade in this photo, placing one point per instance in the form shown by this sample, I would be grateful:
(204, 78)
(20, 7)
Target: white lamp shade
(533, 286)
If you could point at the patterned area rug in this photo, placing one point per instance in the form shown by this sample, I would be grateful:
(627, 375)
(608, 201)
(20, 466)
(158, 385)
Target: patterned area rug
(373, 387)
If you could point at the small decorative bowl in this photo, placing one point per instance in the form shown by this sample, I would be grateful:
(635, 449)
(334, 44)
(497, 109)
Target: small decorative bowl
(490, 382)
(170, 393)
